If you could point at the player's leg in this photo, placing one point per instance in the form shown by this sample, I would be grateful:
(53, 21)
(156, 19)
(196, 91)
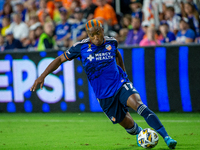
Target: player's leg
(134, 101)
(130, 125)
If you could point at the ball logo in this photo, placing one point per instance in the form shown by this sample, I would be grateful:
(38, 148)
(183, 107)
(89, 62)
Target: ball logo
(108, 47)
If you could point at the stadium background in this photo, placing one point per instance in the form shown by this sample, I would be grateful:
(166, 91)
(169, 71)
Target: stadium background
(167, 77)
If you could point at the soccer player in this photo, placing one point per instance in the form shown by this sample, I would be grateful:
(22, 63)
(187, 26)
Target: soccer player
(105, 70)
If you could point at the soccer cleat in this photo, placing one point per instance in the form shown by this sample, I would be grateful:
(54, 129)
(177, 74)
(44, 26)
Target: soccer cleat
(137, 141)
(171, 143)
(137, 138)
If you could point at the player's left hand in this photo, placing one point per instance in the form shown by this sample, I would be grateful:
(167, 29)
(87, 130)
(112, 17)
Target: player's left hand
(39, 80)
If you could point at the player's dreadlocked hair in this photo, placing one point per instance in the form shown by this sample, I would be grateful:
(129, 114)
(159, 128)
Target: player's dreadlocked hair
(93, 23)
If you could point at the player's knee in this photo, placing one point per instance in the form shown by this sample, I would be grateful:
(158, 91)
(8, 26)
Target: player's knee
(138, 100)
(134, 101)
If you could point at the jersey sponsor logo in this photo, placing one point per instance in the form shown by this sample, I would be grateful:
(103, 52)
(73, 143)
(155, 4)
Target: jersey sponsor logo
(100, 56)
(90, 57)
(108, 47)
(103, 56)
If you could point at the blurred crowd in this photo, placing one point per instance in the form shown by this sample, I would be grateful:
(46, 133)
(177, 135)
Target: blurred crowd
(37, 25)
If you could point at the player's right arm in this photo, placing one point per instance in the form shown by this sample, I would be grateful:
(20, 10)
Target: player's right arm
(51, 67)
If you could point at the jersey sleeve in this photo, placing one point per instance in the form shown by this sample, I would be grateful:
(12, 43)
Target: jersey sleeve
(73, 52)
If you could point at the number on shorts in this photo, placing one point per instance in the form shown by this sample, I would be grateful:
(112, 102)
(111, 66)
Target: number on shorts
(127, 88)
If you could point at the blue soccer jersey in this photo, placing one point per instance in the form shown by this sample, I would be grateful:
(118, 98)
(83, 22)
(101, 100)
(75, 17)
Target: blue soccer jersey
(99, 63)
(62, 30)
(181, 37)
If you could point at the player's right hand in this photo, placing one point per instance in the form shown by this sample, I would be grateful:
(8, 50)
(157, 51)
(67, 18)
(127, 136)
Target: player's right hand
(39, 80)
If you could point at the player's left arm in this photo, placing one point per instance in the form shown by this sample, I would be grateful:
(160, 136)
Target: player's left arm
(119, 61)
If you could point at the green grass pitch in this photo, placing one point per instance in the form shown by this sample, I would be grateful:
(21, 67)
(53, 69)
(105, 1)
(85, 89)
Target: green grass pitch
(90, 131)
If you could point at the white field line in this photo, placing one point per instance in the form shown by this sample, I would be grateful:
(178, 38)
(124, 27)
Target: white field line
(52, 120)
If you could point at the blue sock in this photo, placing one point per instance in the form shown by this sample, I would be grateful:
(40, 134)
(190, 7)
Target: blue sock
(134, 130)
(152, 119)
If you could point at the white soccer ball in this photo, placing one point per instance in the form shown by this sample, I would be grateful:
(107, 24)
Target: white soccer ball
(148, 138)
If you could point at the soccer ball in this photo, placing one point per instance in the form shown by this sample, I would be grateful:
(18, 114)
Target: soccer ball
(148, 138)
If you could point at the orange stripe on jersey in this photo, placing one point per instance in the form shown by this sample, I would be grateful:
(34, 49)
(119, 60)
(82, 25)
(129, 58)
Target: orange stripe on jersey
(66, 56)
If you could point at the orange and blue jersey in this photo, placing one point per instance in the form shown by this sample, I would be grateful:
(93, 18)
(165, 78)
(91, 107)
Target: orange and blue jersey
(99, 63)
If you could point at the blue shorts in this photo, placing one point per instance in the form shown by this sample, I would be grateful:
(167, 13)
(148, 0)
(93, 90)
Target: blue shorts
(115, 107)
